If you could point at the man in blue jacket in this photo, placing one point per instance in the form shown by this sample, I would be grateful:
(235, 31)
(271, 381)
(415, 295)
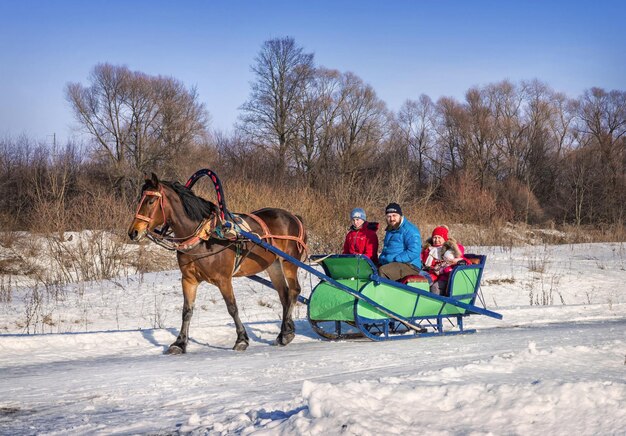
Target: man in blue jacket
(402, 246)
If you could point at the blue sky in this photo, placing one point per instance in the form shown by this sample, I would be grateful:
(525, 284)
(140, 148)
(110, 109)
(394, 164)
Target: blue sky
(401, 48)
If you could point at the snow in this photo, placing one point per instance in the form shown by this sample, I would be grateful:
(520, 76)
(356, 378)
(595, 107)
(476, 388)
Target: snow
(555, 363)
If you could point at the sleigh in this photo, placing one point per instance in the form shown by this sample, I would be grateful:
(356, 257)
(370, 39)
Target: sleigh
(353, 301)
(381, 309)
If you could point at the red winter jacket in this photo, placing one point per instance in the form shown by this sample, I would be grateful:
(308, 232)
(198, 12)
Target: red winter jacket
(363, 241)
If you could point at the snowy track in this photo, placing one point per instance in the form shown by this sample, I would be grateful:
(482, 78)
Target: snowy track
(120, 382)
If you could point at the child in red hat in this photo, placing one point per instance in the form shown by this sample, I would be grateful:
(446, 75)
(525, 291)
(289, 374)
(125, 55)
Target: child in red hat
(440, 254)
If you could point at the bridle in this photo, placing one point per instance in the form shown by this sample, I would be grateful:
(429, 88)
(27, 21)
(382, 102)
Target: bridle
(160, 199)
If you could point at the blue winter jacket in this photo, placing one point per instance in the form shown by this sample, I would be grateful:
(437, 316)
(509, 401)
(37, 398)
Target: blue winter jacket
(403, 244)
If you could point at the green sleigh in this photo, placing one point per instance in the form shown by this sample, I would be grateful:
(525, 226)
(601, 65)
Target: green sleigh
(356, 302)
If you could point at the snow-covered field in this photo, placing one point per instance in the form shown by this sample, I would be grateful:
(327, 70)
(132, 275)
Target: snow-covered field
(555, 364)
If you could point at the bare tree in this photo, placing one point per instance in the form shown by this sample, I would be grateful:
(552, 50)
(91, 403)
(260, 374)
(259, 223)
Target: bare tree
(361, 120)
(15, 158)
(603, 118)
(506, 106)
(53, 185)
(548, 117)
(137, 122)
(416, 120)
(282, 71)
(318, 111)
(450, 138)
(482, 155)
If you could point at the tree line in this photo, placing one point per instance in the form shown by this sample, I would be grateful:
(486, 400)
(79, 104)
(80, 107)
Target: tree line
(519, 152)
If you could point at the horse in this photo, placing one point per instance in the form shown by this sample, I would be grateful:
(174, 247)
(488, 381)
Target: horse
(204, 255)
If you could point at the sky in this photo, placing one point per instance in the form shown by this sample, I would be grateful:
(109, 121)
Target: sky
(402, 48)
(96, 364)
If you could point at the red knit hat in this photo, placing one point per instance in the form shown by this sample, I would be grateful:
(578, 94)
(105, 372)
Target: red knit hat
(441, 231)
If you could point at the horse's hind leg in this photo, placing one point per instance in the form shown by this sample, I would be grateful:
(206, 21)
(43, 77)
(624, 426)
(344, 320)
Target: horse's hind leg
(284, 276)
(226, 288)
(190, 286)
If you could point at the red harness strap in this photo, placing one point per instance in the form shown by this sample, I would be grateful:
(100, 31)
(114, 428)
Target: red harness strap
(267, 235)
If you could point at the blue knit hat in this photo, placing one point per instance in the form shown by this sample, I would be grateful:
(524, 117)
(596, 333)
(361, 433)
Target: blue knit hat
(358, 213)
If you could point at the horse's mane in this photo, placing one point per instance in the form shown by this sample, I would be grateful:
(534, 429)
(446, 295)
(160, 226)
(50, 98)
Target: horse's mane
(196, 208)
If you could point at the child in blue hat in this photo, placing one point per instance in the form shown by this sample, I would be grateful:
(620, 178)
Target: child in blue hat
(361, 238)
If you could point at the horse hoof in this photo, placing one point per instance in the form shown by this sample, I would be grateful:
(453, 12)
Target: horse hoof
(240, 346)
(285, 339)
(175, 349)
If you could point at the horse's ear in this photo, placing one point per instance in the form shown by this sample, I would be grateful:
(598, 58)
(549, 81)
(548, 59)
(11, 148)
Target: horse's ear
(155, 180)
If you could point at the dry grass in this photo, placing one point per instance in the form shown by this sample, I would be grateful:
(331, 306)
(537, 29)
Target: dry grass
(6, 288)
(544, 288)
(506, 280)
(327, 218)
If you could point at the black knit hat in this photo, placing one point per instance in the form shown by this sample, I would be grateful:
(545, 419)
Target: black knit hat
(393, 208)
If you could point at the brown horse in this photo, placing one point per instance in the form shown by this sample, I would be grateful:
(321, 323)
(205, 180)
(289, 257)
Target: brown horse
(217, 260)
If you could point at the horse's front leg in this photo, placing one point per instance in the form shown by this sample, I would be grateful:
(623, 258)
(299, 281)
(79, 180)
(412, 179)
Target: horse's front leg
(190, 286)
(226, 288)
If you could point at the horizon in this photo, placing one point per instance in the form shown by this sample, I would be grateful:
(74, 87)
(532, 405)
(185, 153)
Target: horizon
(402, 51)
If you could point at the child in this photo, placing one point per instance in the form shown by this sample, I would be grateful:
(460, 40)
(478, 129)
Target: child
(439, 256)
(361, 238)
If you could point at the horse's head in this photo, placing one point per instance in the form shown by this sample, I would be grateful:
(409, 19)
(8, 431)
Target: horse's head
(150, 212)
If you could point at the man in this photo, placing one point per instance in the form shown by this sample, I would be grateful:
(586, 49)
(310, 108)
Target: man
(402, 246)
